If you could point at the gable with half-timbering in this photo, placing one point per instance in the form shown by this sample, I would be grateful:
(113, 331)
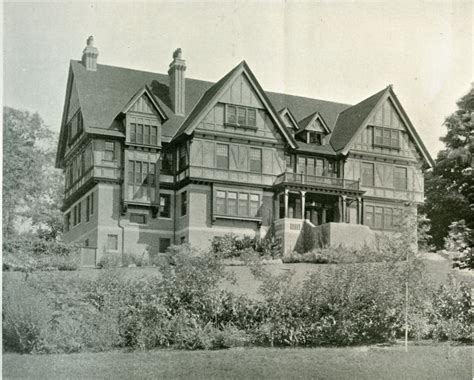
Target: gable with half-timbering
(387, 134)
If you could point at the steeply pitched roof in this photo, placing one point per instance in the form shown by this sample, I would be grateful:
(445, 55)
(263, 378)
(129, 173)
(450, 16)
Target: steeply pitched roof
(350, 120)
(313, 148)
(308, 120)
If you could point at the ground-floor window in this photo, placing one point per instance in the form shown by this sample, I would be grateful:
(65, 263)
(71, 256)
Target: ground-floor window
(165, 205)
(164, 244)
(112, 242)
(380, 217)
(236, 203)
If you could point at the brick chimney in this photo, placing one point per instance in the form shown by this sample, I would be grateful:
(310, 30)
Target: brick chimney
(89, 55)
(177, 86)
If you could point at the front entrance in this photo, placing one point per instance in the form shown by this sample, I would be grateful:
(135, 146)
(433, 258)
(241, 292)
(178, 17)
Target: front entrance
(320, 208)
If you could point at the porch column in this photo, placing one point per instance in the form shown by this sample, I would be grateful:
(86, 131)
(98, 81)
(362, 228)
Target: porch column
(286, 203)
(323, 215)
(343, 202)
(303, 201)
(359, 210)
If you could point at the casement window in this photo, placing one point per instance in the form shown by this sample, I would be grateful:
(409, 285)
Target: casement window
(232, 203)
(184, 203)
(67, 222)
(165, 205)
(310, 166)
(166, 163)
(141, 173)
(79, 213)
(255, 160)
(112, 242)
(400, 178)
(75, 127)
(139, 134)
(241, 116)
(87, 208)
(332, 168)
(319, 167)
(164, 245)
(143, 134)
(92, 203)
(109, 151)
(138, 218)
(385, 137)
(182, 157)
(236, 203)
(367, 174)
(243, 204)
(220, 202)
(381, 218)
(222, 156)
(289, 163)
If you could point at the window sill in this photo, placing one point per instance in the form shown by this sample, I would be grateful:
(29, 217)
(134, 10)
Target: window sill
(142, 145)
(386, 146)
(240, 126)
(244, 218)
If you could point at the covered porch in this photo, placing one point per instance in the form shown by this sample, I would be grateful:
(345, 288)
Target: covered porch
(334, 212)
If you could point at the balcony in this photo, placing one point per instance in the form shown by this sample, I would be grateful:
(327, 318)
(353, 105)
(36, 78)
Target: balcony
(317, 181)
(214, 174)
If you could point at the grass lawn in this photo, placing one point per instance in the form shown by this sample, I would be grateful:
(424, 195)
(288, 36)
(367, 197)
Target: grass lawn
(421, 362)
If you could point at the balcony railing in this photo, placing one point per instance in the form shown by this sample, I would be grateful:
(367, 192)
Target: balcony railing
(304, 179)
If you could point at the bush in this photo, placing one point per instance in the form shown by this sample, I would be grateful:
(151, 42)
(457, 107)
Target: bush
(230, 246)
(26, 317)
(460, 242)
(450, 317)
(29, 255)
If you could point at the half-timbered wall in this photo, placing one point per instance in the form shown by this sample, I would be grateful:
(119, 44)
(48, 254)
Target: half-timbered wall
(386, 117)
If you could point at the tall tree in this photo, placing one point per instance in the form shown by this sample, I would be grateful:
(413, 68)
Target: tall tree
(31, 185)
(450, 185)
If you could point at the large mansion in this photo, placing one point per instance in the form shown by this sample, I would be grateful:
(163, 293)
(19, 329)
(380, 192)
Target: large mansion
(156, 159)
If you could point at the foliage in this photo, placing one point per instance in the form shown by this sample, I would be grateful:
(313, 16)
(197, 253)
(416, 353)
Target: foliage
(35, 254)
(32, 188)
(26, 317)
(423, 232)
(230, 245)
(307, 239)
(451, 314)
(449, 186)
(460, 241)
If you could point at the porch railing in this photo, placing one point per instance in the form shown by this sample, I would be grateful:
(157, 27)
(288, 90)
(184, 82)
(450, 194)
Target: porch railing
(304, 179)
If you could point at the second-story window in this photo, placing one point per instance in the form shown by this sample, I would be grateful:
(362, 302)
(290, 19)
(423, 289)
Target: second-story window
(109, 151)
(255, 160)
(367, 174)
(165, 205)
(400, 178)
(183, 157)
(222, 156)
(184, 203)
(241, 116)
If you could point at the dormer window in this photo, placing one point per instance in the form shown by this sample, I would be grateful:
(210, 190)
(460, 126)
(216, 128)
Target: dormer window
(315, 138)
(241, 116)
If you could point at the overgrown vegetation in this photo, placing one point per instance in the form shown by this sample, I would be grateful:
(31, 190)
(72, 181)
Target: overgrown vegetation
(28, 255)
(183, 306)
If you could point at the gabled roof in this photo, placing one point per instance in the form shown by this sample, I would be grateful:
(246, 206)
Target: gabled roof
(353, 120)
(286, 111)
(310, 119)
(211, 96)
(146, 90)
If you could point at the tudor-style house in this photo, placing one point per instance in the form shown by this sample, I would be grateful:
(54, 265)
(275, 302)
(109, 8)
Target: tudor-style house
(158, 159)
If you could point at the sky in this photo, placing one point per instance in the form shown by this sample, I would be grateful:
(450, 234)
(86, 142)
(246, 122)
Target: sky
(342, 51)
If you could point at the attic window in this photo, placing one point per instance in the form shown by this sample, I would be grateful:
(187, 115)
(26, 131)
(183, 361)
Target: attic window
(241, 116)
(315, 138)
(385, 137)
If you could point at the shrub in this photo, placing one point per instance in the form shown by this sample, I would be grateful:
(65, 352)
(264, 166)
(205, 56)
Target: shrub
(26, 317)
(451, 316)
(109, 260)
(29, 255)
(460, 241)
(230, 246)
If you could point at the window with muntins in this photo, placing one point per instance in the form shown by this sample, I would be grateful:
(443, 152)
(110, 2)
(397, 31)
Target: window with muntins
(400, 178)
(222, 156)
(236, 203)
(184, 203)
(182, 157)
(109, 151)
(241, 116)
(381, 218)
(143, 134)
(367, 174)
(385, 137)
(255, 160)
(165, 205)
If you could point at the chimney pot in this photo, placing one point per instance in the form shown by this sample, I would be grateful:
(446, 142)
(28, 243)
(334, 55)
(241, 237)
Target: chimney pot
(90, 54)
(177, 82)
